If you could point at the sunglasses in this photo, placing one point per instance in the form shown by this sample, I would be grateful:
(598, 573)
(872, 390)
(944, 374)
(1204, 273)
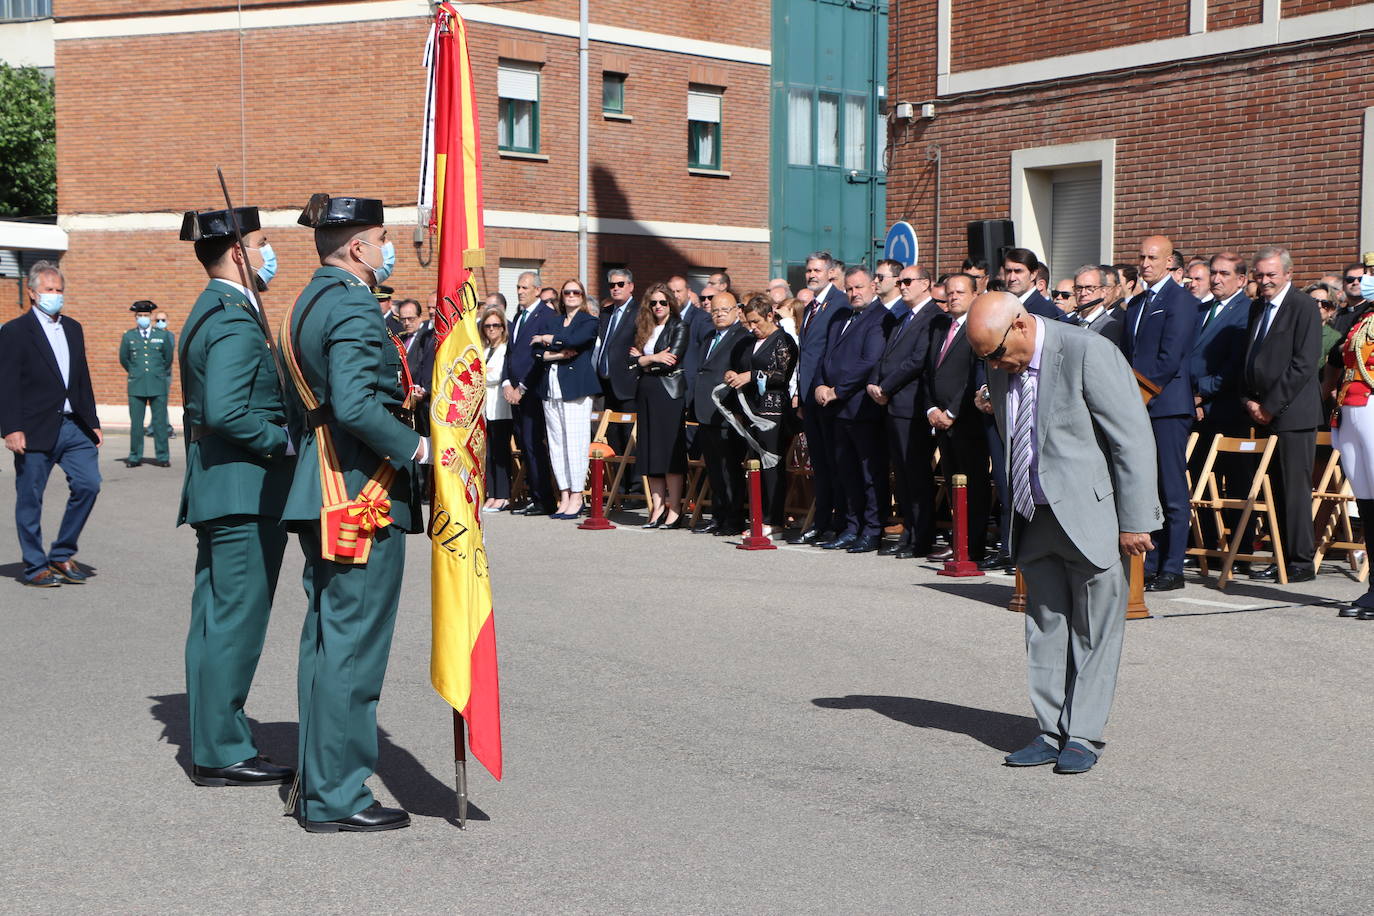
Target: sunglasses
(1355, 279)
(567, 293)
(1061, 294)
(882, 276)
(1001, 350)
(662, 302)
(493, 324)
(616, 284)
(706, 298)
(906, 281)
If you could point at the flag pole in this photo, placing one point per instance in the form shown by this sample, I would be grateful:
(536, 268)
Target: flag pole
(460, 767)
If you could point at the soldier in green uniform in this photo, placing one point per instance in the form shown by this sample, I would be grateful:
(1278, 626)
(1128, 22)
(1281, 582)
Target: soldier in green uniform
(146, 353)
(358, 459)
(238, 472)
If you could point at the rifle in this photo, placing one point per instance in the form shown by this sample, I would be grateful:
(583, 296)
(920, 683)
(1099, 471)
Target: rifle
(250, 282)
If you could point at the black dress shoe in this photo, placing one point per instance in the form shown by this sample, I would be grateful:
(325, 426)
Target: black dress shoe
(255, 771)
(998, 560)
(705, 528)
(891, 550)
(1366, 613)
(865, 545)
(906, 553)
(159, 464)
(130, 462)
(1301, 574)
(1351, 610)
(535, 509)
(941, 555)
(1270, 573)
(809, 536)
(843, 542)
(1164, 582)
(728, 531)
(373, 817)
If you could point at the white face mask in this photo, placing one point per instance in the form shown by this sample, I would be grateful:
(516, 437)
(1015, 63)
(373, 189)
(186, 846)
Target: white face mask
(50, 303)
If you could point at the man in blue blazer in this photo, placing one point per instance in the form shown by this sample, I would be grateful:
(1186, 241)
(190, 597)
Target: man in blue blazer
(1216, 365)
(520, 387)
(1157, 341)
(818, 425)
(855, 341)
(47, 416)
(614, 336)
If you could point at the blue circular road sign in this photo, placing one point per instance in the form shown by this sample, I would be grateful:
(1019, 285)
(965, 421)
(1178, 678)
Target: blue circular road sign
(900, 244)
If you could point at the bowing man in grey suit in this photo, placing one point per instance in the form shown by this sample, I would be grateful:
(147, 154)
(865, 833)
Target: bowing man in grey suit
(1081, 468)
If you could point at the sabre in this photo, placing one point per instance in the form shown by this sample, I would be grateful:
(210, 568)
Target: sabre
(460, 768)
(250, 281)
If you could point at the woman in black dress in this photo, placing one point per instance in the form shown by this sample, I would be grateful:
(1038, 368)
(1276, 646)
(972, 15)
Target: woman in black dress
(764, 380)
(660, 404)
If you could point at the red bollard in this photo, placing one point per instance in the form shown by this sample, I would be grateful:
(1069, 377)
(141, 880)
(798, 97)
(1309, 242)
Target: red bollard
(960, 566)
(756, 540)
(597, 520)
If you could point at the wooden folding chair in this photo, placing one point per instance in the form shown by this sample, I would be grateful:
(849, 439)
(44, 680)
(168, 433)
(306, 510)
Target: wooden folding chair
(1331, 499)
(698, 486)
(517, 480)
(1259, 499)
(1188, 456)
(800, 501)
(618, 466)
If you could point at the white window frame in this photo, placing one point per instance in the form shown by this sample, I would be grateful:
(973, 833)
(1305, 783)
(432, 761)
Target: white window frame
(1367, 184)
(1031, 180)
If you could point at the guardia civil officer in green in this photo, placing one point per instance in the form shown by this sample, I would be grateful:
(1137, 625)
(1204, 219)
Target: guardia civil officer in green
(147, 353)
(238, 473)
(337, 346)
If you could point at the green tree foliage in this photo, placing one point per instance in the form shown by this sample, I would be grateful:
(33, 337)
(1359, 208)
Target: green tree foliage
(28, 143)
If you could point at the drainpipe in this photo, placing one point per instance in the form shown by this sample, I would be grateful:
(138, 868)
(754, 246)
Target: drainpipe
(933, 155)
(582, 53)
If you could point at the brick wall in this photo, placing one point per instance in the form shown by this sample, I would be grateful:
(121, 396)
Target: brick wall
(143, 121)
(1227, 14)
(1232, 152)
(1303, 7)
(992, 33)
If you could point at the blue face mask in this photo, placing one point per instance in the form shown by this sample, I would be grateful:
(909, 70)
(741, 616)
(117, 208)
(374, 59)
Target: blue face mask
(162, 325)
(268, 270)
(388, 251)
(143, 321)
(1367, 287)
(50, 303)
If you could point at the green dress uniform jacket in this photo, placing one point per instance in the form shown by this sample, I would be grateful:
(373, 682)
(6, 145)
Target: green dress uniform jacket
(148, 362)
(237, 478)
(354, 370)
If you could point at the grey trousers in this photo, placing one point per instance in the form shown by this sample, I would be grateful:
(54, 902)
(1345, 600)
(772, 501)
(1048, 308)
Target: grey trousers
(1075, 620)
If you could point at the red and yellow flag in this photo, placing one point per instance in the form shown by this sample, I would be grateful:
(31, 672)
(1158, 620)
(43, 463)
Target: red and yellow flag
(463, 657)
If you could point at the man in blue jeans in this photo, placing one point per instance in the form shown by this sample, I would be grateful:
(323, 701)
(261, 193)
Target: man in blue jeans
(47, 416)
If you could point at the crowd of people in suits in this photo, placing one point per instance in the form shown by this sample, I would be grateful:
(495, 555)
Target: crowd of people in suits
(873, 370)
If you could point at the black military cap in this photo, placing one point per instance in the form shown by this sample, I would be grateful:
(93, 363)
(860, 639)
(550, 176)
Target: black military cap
(383, 293)
(143, 305)
(324, 210)
(216, 224)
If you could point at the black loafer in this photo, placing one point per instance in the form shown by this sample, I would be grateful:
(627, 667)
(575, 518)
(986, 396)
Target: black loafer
(1164, 582)
(1350, 610)
(1270, 573)
(809, 536)
(843, 542)
(1366, 613)
(891, 550)
(996, 561)
(864, 545)
(255, 771)
(373, 817)
(159, 464)
(1301, 574)
(705, 528)
(130, 462)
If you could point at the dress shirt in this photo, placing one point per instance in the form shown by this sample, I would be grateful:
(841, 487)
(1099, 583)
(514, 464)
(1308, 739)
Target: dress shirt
(945, 344)
(1088, 317)
(57, 339)
(1149, 300)
(1271, 309)
(1014, 407)
(897, 306)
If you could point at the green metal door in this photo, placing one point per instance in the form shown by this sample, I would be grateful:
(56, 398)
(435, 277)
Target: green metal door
(829, 130)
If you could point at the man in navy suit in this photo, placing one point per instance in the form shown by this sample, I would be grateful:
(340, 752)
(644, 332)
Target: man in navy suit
(722, 450)
(1019, 267)
(697, 319)
(1216, 365)
(855, 342)
(1157, 341)
(817, 424)
(47, 416)
(520, 386)
(896, 385)
(614, 336)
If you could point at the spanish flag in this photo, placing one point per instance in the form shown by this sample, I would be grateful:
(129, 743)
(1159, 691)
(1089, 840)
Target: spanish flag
(463, 657)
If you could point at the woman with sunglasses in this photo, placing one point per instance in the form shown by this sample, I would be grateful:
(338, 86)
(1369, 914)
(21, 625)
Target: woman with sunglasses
(567, 389)
(499, 423)
(661, 404)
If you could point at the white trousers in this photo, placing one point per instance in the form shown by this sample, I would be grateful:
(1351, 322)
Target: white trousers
(568, 425)
(1355, 440)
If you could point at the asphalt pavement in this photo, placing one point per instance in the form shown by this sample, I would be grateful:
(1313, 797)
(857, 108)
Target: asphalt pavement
(691, 728)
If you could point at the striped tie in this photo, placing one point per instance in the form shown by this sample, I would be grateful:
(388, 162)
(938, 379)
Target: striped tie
(1022, 500)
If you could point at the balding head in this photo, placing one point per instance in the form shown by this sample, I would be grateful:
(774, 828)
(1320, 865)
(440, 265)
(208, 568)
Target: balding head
(724, 309)
(1001, 331)
(1155, 253)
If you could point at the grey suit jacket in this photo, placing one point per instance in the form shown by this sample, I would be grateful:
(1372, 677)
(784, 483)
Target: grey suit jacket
(1097, 451)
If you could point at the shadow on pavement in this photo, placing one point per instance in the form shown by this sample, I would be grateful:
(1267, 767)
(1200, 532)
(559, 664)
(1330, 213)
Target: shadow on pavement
(994, 592)
(414, 787)
(999, 730)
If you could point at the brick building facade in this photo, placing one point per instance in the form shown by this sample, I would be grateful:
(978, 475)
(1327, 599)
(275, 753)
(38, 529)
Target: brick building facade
(151, 97)
(1223, 123)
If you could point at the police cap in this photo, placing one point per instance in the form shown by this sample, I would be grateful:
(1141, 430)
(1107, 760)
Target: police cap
(215, 224)
(323, 210)
(143, 305)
